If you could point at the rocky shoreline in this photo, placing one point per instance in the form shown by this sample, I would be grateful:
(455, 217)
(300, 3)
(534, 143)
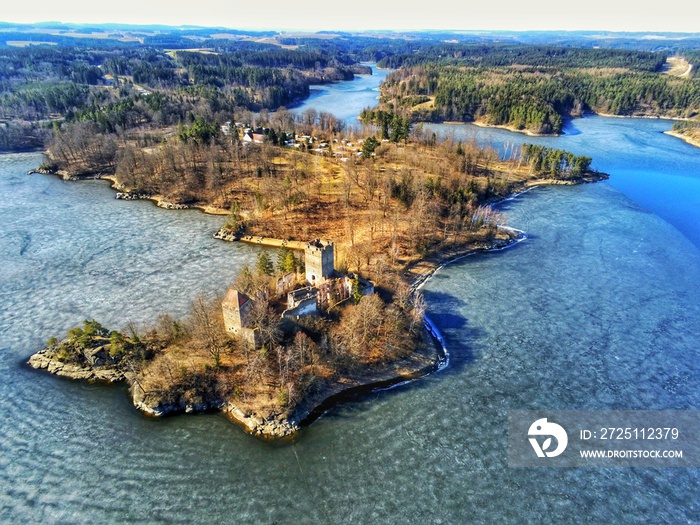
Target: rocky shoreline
(124, 193)
(693, 141)
(274, 425)
(135, 196)
(46, 359)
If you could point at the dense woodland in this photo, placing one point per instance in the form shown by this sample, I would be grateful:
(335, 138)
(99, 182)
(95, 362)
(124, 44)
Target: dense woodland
(486, 56)
(536, 98)
(123, 78)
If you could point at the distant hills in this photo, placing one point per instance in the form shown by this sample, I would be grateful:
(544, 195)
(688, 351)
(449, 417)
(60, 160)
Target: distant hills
(63, 33)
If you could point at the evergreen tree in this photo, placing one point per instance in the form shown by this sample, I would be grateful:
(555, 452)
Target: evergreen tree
(264, 264)
(285, 261)
(368, 147)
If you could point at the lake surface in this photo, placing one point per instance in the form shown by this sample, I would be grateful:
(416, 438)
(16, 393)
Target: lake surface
(597, 309)
(659, 172)
(346, 100)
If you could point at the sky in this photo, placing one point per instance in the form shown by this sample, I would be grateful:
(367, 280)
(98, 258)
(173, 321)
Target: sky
(521, 15)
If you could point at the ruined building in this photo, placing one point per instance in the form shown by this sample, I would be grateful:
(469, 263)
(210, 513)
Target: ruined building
(237, 309)
(325, 287)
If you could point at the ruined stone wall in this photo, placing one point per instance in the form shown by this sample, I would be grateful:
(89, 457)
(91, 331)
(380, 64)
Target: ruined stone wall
(305, 307)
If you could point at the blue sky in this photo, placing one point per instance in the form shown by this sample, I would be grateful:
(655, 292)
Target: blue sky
(616, 15)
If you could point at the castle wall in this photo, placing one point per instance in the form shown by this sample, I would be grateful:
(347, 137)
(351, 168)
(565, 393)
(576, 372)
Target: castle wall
(305, 307)
(250, 336)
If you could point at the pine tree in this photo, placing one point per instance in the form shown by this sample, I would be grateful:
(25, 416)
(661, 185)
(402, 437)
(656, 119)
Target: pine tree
(264, 264)
(285, 261)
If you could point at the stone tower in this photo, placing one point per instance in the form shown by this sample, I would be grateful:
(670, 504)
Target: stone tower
(318, 259)
(236, 308)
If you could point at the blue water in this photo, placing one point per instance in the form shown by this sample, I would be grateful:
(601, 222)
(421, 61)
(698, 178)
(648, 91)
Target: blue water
(597, 309)
(659, 172)
(346, 100)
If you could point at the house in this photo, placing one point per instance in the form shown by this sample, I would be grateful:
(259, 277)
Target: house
(254, 137)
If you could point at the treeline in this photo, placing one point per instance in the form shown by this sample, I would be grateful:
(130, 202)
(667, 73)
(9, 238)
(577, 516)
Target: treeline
(555, 163)
(683, 125)
(392, 126)
(525, 55)
(237, 54)
(535, 100)
(20, 66)
(689, 129)
(40, 100)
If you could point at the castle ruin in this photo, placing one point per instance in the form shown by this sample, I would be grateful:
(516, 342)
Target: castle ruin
(237, 309)
(324, 287)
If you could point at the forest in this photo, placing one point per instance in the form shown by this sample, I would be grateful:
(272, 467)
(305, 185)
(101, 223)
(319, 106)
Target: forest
(469, 55)
(155, 80)
(119, 86)
(535, 98)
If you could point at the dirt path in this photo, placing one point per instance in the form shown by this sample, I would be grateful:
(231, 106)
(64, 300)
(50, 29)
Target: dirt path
(677, 66)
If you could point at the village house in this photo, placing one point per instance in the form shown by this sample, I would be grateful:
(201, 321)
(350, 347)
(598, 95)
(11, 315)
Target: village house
(257, 137)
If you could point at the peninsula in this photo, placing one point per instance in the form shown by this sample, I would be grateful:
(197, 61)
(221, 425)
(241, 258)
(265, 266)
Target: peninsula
(330, 318)
(382, 203)
(688, 131)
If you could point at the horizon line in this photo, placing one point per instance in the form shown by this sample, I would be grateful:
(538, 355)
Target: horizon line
(336, 30)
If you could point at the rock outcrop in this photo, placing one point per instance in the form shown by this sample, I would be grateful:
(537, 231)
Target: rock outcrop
(131, 196)
(48, 359)
(226, 234)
